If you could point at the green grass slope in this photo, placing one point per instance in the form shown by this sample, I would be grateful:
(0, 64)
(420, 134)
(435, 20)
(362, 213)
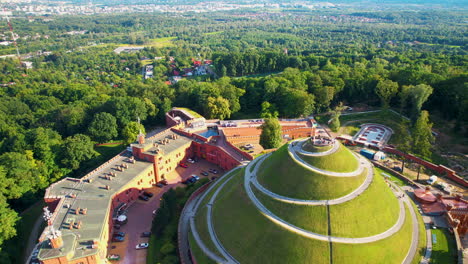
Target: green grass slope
(391, 250)
(200, 257)
(342, 160)
(252, 238)
(312, 218)
(307, 146)
(282, 175)
(370, 213)
(200, 217)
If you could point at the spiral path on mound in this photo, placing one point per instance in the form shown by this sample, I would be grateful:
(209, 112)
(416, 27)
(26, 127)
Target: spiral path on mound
(295, 149)
(250, 178)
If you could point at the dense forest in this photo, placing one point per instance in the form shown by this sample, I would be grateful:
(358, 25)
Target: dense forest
(79, 92)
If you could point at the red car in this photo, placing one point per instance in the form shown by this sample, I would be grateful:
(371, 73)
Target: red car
(183, 165)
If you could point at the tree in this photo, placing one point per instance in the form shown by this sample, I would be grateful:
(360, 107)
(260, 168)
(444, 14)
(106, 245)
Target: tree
(76, 149)
(271, 135)
(419, 94)
(8, 219)
(217, 108)
(268, 110)
(103, 127)
(334, 122)
(385, 90)
(131, 131)
(422, 136)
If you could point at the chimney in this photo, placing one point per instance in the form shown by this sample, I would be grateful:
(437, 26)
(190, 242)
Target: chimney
(56, 242)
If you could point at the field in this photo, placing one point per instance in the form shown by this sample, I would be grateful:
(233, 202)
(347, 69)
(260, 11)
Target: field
(252, 238)
(342, 160)
(371, 213)
(445, 250)
(282, 175)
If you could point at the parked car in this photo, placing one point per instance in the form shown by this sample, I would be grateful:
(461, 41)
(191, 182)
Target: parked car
(155, 212)
(190, 161)
(213, 171)
(195, 176)
(145, 193)
(146, 234)
(117, 227)
(204, 173)
(183, 165)
(397, 168)
(121, 234)
(159, 185)
(118, 239)
(143, 198)
(142, 246)
(113, 257)
(165, 182)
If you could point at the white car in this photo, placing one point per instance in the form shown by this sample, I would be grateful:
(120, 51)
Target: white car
(142, 246)
(190, 161)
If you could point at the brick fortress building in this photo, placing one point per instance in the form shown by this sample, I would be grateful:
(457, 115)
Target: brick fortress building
(84, 211)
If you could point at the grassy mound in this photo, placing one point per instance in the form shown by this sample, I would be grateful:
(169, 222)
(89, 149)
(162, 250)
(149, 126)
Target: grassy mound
(342, 160)
(200, 217)
(307, 146)
(312, 218)
(391, 250)
(370, 213)
(252, 238)
(282, 175)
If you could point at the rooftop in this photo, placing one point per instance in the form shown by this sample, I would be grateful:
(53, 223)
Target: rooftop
(173, 142)
(89, 193)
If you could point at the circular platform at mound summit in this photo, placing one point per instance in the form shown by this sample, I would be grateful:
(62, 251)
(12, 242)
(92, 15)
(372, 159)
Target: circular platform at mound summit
(306, 202)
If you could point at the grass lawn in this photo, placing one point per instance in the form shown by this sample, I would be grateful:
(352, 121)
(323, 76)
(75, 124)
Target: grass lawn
(282, 175)
(342, 160)
(371, 213)
(445, 249)
(198, 253)
(391, 250)
(422, 237)
(307, 146)
(190, 111)
(393, 178)
(312, 218)
(251, 238)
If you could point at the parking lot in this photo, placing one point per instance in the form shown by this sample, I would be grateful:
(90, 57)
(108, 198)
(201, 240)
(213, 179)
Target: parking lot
(140, 214)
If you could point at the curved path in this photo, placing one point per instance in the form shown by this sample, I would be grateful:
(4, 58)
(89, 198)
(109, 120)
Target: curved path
(227, 258)
(335, 147)
(348, 197)
(267, 213)
(293, 153)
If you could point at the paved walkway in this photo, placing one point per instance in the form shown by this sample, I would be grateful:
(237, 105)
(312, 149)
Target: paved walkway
(348, 197)
(247, 179)
(293, 152)
(301, 150)
(415, 232)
